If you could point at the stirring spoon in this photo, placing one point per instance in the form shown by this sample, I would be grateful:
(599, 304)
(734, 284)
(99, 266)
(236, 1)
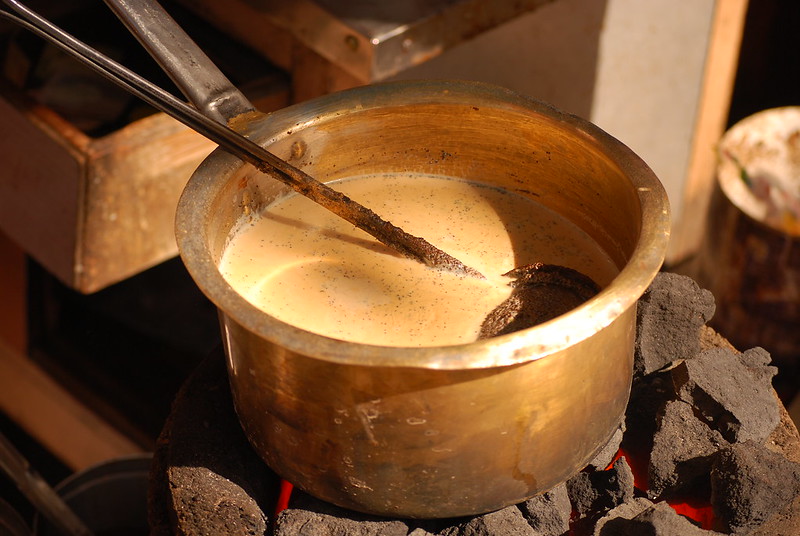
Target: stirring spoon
(214, 127)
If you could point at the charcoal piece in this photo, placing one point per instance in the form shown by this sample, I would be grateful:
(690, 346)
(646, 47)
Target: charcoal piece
(506, 522)
(648, 396)
(785, 522)
(582, 494)
(683, 451)
(593, 492)
(430, 527)
(607, 454)
(208, 483)
(549, 512)
(626, 510)
(419, 531)
(292, 522)
(309, 515)
(759, 362)
(657, 520)
(670, 314)
(750, 483)
(731, 391)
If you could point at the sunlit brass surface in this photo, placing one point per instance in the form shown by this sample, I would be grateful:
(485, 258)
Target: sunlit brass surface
(445, 431)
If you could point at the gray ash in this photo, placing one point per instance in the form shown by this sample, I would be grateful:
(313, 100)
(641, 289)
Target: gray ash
(705, 449)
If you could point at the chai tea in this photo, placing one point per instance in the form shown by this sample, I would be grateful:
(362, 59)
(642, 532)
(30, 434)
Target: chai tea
(309, 268)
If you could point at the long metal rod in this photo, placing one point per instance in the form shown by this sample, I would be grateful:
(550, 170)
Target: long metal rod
(207, 88)
(392, 236)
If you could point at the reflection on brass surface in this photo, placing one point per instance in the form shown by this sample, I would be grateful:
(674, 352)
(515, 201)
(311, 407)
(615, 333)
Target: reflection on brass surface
(437, 431)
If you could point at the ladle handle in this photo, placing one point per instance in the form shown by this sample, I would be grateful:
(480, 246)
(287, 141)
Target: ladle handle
(187, 65)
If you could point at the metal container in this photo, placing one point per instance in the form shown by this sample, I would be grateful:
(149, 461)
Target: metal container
(750, 254)
(441, 431)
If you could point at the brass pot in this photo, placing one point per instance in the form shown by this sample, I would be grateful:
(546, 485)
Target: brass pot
(441, 431)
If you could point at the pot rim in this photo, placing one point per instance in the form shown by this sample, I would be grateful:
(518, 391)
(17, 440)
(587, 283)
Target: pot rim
(514, 348)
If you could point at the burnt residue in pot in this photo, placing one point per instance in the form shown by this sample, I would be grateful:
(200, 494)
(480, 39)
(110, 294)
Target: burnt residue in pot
(540, 293)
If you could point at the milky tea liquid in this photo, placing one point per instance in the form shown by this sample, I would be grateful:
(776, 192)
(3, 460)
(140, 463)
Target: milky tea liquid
(305, 266)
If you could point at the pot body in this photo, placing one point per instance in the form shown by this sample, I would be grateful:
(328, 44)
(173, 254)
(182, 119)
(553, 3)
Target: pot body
(441, 431)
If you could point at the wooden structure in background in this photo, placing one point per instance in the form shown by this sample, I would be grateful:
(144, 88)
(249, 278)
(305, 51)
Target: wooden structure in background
(720, 71)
